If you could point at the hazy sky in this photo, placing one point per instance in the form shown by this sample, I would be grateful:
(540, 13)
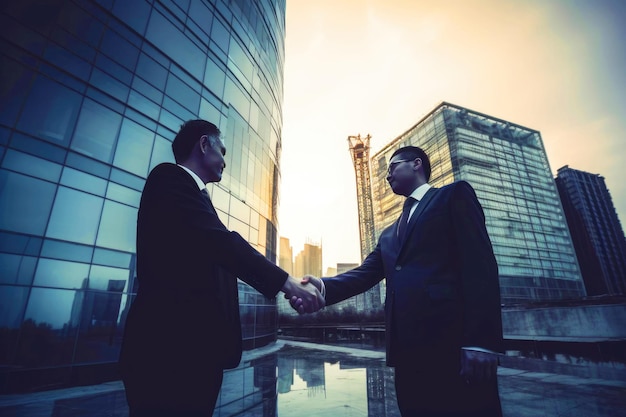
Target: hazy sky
(377, 66)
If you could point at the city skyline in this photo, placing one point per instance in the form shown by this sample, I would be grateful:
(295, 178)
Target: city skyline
(373, 67)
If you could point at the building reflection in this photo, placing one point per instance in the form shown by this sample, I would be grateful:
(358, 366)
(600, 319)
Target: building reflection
(316, 381)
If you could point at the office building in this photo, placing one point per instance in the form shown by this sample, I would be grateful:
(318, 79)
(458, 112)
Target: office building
(285, 255)
(93, 92)
(507, 165)
(309, 260)
(596, 230)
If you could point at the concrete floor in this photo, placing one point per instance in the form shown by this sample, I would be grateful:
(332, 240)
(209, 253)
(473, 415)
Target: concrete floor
(293, 379)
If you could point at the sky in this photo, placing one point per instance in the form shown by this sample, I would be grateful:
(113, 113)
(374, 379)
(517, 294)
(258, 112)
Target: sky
(377, 66)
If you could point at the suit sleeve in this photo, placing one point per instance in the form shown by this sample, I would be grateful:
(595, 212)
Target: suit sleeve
(479, 272)
(194, 215)
(355, 281)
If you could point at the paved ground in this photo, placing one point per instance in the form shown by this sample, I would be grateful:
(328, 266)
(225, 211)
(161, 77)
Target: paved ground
(524, 393)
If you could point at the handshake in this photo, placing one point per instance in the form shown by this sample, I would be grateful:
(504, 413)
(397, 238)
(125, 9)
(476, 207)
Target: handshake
(306, 295)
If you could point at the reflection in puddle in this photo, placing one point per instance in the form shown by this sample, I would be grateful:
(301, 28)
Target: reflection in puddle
(303, 382)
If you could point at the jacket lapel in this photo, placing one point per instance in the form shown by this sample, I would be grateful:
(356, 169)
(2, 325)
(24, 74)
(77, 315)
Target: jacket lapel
(418, 210)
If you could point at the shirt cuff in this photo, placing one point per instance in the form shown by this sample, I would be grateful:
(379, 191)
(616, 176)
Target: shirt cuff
(323, 288)
(479, 349)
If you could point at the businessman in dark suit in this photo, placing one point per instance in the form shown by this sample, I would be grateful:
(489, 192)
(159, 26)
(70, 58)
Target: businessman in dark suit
(183, 328)
(442, 309)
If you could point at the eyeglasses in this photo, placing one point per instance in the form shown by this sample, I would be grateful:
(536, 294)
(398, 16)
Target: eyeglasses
(392, 165)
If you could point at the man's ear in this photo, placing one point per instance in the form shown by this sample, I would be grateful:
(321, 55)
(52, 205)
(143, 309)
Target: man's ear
(204, 143)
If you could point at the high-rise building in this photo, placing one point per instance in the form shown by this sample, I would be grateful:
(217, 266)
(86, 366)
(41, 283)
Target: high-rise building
(285, 255)
(309, 260)
(596, 230)
(359, 147)
(92, 93)
(507, 165)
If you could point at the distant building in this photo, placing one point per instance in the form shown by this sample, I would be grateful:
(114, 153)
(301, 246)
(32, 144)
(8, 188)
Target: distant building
(596, 230)
(507, 165)
(285, 255)
(309, 260)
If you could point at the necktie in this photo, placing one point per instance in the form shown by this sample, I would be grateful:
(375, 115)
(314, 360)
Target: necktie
(404, 218)
(205, 192)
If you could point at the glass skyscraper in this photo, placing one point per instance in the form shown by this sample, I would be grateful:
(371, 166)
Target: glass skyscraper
(508, 167)
(92, 93)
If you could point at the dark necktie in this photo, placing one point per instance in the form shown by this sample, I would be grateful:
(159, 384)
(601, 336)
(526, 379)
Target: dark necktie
(406, 209)
(205, 192)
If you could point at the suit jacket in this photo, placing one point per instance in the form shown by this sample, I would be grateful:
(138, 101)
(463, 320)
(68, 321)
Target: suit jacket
(442, 281)
(186, 313)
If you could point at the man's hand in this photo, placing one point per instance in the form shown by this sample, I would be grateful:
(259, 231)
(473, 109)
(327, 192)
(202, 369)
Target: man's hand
(303, 298)
(478, 366)
(313, 280)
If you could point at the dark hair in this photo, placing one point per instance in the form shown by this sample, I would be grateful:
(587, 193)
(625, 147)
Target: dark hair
(189, 134)
(413, 152)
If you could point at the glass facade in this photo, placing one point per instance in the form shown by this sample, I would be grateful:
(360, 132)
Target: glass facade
(92, 93)
(508, 167)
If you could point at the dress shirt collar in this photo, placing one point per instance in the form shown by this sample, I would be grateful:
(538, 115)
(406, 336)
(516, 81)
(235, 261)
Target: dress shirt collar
(420, 191)
(195, 177)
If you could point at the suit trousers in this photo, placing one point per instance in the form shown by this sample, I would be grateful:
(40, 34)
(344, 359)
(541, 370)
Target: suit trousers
(184, 393)
(444, 393)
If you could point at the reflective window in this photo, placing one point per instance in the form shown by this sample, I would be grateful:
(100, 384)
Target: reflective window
(162, 151)
(16, 269)
(183, 94)
(119, 49)
(170, 120)
(145, 88)
(83, 181)
(118, 227)
(47, 312)
(112, 258)
(13, 302)
(220, 35)
(209, 112)
(175, 108)
(112, 86)
(61, 274)
(68, 251)
(28, 164)
(25, 203)
(128, 196)
(114, 69)
(236, 97)
(105, 278)
(214, 78)
(239, 227)
(241, 60)
(199, 13)
(61, 105)
(83, 25)
(15, 80)
(133, 148)
(62, 58)
(52, 306)
(140, 103)
(133, 13)
(239, 209)
(151, 71)
(96, 131)
(99, 323)
(174, 44)
(75, 216)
